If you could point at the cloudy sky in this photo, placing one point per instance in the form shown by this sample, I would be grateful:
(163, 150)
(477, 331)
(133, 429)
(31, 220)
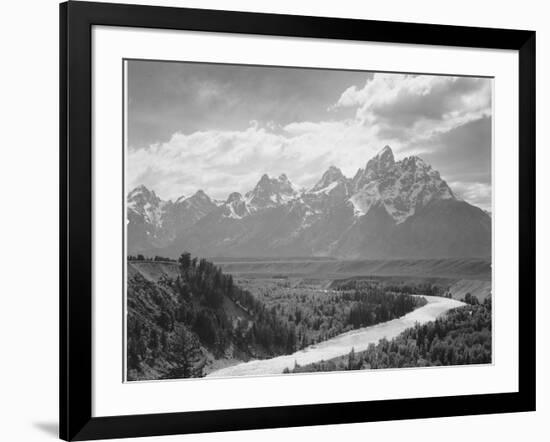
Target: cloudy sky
(220, 127)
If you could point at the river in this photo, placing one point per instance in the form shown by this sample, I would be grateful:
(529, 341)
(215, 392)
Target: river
(342, 344)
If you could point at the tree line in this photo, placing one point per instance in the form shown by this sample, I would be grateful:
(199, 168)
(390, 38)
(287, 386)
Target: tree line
(462, 336)
(140, 257)
(317, 314)
(408, 287)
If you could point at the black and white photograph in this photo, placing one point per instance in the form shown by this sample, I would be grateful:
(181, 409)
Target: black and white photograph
(275, 221)
(284, 220)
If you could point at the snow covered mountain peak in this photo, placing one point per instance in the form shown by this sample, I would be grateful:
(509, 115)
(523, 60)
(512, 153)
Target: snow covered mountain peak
(385, 157)
(201, 196)
(235, 206)
(401, 187)
(199, 203)
(382, 162)
(142, 195)
(271, 192)
(235, 196)
(141, 198)
(378, 166)
(415, 162)
(144, 203)
(330, 179)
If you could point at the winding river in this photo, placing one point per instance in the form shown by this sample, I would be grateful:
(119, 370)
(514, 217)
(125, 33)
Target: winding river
(342, 344)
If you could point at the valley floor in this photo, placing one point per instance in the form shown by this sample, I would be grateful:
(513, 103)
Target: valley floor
(340, 345)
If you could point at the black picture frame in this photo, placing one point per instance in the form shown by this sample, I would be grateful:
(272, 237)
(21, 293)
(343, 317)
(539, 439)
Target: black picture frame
(76, 21)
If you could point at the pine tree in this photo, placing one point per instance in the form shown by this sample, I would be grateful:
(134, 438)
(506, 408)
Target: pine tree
(184, 261)
(185, 352)
(351, 359)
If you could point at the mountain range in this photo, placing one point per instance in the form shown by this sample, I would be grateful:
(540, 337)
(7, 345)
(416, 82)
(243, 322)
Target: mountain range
(389, 209)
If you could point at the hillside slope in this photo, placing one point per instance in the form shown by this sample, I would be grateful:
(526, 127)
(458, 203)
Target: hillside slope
(184, 320)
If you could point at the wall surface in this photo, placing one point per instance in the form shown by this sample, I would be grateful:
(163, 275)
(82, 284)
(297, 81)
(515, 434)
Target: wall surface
(29, 218)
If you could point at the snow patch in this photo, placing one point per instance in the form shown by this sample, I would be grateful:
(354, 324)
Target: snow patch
(363, 201)
(326, 190)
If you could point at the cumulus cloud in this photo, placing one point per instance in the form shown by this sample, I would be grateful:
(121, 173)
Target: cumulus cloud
(446, 120)
(221, 162)
(413, 108)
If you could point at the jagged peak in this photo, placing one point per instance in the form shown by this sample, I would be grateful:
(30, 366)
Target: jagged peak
(282, 183)
(140, 189)
(234, 196)
(382, 160)
(386, 150)
(143, 193)
(382, 181)
(271, 191)
(264, 181)
(201, 194)
(332, 174)
(416, 161)
(333, 171)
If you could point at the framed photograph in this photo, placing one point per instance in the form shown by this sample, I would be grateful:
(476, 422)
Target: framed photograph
(272, 221)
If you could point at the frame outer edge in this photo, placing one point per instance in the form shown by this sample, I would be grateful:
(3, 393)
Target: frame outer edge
(63, 371)
(76, 20)
(286, 25)
(76, 207)
(527, 222)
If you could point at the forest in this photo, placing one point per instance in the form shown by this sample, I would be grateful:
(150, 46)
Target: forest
(462, 336)
(408, 287)
(180, 326)
(157, 258)
(319, 314)
(175, 324)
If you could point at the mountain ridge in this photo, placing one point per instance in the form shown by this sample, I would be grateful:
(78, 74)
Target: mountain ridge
(389, 209)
